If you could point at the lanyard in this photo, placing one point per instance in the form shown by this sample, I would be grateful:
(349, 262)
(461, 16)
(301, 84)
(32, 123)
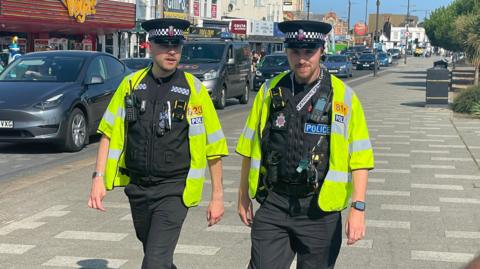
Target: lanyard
(310, 94)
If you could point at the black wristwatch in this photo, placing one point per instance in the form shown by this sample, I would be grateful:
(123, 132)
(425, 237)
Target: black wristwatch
(359, 205)
(97, 174)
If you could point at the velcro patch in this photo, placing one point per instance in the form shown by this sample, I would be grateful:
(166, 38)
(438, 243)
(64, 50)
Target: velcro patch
(196, 121)
(317, 129)
(194, 111)
(340, 108)
(180, 90)
(142, 86)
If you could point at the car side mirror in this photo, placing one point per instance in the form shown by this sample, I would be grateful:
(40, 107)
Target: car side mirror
(231, 61)
(95, 80)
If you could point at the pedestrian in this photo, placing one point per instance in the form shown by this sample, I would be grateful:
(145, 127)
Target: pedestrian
(305, 136)
(158, 134)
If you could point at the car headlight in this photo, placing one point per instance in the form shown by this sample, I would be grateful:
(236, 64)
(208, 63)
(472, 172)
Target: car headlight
(50, 102)
(343, 67)
(212, 74)
(258, 73)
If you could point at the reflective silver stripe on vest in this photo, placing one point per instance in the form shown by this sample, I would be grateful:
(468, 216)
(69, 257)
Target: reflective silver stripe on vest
(248, 133)
(109, 117)
(337, 176)
(196, 83)
(360, 145)
(254, 163)
(347, 100)
(196, 173)
(121, 113)
(194, 130)
(266, 85)
(338, 129)
(214, 137)
(114, 154)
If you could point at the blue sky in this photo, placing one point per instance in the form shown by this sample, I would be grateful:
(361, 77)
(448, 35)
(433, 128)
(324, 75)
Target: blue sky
(386, 6)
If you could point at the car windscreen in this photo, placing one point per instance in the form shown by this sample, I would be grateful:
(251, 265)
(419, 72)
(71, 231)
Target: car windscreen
(382, 55)
(47, 68)
(336, 59)
(273, 61)
(202, 53)
(367, 57)
(136, 64)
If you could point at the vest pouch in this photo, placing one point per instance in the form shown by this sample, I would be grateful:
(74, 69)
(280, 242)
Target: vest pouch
(273, 165)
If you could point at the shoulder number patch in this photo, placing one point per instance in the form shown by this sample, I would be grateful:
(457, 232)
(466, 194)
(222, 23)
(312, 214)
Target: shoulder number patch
(194, 111)
(340, 108)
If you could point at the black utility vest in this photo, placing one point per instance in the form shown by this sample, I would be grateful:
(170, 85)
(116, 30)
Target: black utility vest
(159, 157)
(285, 131)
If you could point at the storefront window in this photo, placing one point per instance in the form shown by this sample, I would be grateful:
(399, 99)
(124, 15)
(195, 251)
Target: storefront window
(109, 43)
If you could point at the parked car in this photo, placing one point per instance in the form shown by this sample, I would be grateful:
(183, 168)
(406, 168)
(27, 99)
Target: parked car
(57, 96)
(223, 65)
(353, 57)
(339, 65)
(136, 64)
(396, 54)
(418, 52)
(270, 66)
(382, 59)
(390, 58)
(367, 61)
(1, 67)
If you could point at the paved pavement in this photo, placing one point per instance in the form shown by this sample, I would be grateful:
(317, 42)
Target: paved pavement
(422, 201)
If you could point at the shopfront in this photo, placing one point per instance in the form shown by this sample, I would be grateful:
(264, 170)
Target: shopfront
(65, 24)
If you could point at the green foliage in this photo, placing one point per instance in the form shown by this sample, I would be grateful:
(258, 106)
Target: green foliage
(468, 101)
(476, 110)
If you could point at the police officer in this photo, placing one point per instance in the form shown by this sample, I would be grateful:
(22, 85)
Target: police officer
(304, 137)
(158, 134)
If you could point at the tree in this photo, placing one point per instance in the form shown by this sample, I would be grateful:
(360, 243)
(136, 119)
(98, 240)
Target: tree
(468, 32)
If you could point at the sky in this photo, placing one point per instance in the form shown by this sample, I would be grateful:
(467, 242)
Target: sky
(417, 7)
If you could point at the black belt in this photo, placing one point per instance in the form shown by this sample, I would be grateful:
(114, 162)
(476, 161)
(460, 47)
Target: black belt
(139, 179)
(297, 190)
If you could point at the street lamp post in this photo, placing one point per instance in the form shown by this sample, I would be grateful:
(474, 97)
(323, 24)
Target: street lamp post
(406, 35)
(375, 36)
(366, 11)
(308, 10)
(348, 21)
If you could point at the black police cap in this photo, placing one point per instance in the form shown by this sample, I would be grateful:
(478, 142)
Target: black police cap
(166, 30)
(304, 34)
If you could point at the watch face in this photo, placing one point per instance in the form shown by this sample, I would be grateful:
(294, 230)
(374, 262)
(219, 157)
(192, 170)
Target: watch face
(359, 205)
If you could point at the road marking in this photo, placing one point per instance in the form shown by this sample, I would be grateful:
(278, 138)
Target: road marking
(388, 224)
(380, 126)
(437, 125)
(225, 182)
(437, 187)
(116, 205)
(395, 136)
(98, 236)
(383, 148)
(468, 127)
(392, 143)
(359, 244)
(457, 176)
(388, 193)
(441, 256)
(381, 162)
(376, 180)
(462, 234)
(383, 154)
(231, 168)
(447, 146)
(392, 171)
(32, 222)
(127, 217)
(229, 229)
(230, 190)
(445, 136)
(418, 208)
(425, 128)
(196, 250)
(225, 204)
(430, 166)
(84, 262)
(451, 159)
(409, 132)
(459, 200)
(14, 248)
(431, 151)
(427, 140)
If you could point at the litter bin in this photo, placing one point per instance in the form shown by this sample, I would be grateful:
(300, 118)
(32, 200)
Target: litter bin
(438, 84)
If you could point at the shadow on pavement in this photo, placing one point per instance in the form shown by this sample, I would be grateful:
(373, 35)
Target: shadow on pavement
(93, 264)
(416, 84)
(413, 72)
(40, 147)
(415, 77)
(414, 104)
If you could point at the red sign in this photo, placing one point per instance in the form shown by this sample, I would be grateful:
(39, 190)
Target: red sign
(360, 28)
(214, 10)
(238, 27)
(196, 8)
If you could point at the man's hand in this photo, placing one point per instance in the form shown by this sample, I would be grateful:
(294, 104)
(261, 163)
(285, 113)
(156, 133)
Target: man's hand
(245, 210)
(355, 226)
(215, 211)
(97, 194)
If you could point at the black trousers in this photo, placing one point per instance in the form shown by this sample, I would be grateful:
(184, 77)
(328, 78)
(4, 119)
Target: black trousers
(284, 226)
(158, 213)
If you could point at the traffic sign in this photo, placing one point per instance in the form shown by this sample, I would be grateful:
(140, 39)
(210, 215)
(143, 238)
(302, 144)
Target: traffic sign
(407, 34)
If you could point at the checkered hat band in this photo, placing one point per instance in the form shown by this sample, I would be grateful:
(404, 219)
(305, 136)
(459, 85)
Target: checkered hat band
(164, 32)
(307, 35)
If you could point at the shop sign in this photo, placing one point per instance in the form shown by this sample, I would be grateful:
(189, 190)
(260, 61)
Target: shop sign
(80, 9)
(204, 32)
(175, 9)
(262, 28)
(238, 27)
(196, 8)
(214, 10)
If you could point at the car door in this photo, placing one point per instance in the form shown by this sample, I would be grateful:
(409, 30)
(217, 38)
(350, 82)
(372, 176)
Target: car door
(231, 70)
(96, 90)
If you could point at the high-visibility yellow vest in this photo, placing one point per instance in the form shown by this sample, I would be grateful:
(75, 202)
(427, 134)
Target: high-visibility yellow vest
(350, 146)
(206, 140)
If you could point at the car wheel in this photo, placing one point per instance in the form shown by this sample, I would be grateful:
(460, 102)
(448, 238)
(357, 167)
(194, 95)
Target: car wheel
(351, 73)
(221, 100)
(244, 98)
(76, 134)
